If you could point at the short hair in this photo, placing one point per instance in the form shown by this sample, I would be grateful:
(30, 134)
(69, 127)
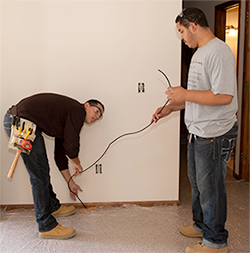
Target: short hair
(95, 102)
(194, 15)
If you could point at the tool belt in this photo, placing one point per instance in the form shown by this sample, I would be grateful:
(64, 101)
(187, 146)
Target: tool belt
(22, 134)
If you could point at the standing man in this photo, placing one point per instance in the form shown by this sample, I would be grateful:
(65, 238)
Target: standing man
(210, 104)
(60, 117)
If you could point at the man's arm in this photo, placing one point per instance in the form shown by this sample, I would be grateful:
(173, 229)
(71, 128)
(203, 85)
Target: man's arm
(167, 110)
(179, 94)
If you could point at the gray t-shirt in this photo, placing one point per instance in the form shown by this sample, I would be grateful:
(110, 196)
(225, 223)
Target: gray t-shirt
(212, 68)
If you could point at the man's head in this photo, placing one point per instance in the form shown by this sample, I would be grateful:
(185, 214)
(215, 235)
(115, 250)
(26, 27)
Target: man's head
(190, 23)
(94, 110)
(192, 15)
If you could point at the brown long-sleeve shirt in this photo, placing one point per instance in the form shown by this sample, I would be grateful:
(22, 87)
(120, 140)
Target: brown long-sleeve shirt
(57, 116)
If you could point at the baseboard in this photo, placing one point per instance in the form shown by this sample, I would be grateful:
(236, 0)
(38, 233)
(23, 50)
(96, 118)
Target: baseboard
(102, 204)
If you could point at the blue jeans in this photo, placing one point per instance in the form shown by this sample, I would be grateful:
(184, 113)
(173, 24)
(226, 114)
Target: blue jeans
(45, 201)
(207, 168)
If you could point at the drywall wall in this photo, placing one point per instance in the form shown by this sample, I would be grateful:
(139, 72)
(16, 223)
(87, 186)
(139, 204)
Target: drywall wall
(97, 49)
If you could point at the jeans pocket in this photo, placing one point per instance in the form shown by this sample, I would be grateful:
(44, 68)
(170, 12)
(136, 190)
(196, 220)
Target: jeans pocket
(227, 146)
(228, 143)
(205, 146)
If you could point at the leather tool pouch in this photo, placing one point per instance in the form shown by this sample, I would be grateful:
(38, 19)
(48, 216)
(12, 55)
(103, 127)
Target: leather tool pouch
(22, 134)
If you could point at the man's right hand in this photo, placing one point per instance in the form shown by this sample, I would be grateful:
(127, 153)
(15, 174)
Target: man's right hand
(165, 112)
(74, 188)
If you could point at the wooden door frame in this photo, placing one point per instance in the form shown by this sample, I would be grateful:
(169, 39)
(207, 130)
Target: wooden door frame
(220, 22)
(245, 141)
(241, 165)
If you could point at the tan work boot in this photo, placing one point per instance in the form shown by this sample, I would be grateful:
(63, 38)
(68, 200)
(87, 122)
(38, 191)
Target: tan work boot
(199, 247)
(190, 231)
(59, 233)
(64, 211)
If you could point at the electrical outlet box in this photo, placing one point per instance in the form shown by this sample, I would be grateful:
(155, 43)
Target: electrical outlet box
(141, 87)
(98, 168)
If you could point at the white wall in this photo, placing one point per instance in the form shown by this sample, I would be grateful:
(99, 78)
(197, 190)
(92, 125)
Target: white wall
(97, 49)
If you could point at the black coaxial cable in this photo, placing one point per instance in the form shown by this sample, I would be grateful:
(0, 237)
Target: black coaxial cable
(115, 141)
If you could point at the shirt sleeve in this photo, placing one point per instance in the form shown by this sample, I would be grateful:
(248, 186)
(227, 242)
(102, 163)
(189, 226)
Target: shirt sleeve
(60, 156)
(221, 66)
(72, 129)
(70, 144)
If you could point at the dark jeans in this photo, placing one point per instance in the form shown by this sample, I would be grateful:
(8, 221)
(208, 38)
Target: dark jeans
(45, 201)
(207, 168)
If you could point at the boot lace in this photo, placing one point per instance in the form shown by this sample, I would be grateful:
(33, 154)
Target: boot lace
(200, 244)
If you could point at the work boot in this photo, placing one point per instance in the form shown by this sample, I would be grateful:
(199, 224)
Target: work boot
(59, 233)
(190, 231)
(199, 247)
(64, 211)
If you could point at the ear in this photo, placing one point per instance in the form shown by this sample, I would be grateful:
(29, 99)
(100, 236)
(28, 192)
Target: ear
(86, 105)
(193, 27)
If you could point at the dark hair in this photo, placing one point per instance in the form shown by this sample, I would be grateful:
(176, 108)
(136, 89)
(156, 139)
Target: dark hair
(194, 15)
(95, 102)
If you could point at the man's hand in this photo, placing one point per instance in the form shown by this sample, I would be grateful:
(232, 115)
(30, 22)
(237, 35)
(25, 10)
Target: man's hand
(165, 112)
(77, 166)
(74, 188)
(72, 185)
(77, 169)
(176, 94)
